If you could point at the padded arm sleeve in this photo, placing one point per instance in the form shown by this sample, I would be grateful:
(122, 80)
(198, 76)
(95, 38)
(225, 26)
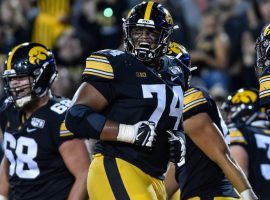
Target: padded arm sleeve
(84, 122)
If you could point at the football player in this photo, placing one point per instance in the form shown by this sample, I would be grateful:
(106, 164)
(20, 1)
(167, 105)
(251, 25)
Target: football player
(209, 171)
(42, 158)
(127, 100)
(250, 138)
(262, 67)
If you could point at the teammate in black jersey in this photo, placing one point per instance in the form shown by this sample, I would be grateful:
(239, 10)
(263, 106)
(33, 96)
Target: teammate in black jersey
(262, 67)
(250, 138)
(209, 171)
(42, 159)
(127, 100)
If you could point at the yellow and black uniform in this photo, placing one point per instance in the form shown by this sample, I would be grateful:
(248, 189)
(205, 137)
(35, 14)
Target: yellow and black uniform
(255, 139)
(47, 26)
(135, 92)
(200, 178)
(36, 170)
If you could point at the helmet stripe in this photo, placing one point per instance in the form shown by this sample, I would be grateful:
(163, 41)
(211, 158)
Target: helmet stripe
(10, 56)
(148, 10)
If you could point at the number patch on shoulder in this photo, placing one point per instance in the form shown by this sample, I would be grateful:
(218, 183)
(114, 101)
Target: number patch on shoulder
(61, 107)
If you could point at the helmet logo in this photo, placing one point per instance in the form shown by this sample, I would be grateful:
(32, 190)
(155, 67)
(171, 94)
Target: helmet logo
(176, 48)
(266, 31)
(244, 97)
(37, 54)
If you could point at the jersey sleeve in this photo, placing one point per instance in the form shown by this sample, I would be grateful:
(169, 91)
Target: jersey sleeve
(195, 102)
(264, 94)
(237, 137)
(99, 72)
(63, 134)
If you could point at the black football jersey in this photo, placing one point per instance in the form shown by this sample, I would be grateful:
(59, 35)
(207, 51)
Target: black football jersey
(37, 170)
(136, 92)
(256, 141)
(200, 176)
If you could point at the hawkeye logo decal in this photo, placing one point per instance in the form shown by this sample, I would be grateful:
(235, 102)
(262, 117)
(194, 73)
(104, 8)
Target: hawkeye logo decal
(244, 97)
(37, 54)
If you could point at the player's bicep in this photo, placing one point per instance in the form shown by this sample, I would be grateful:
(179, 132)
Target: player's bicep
(75, 156)
(206, 135)
(88, 95)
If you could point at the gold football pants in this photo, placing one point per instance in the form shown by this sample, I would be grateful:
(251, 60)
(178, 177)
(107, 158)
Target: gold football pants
(113, 178)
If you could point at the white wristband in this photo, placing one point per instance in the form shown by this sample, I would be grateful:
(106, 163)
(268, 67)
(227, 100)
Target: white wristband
(2, 197)
(126, 133)
(248, 194)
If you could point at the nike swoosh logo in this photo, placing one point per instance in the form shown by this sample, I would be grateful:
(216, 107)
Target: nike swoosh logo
(174, 78)
(29, 130)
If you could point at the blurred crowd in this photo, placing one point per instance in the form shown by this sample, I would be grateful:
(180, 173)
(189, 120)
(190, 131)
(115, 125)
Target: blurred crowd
(220, 35)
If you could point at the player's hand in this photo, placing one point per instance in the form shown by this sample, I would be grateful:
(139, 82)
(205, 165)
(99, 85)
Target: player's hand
(177, 147)
(141, 134)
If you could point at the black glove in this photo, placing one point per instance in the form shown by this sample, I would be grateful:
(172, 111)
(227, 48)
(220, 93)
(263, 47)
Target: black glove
(146, 134)
(177, 147)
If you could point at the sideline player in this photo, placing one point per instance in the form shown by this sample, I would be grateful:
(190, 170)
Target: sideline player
(127, 100)
(209, 171)
(250, 138)
(42, 159)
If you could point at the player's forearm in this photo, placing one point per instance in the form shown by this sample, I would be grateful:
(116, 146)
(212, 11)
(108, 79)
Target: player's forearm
(234, 173)
(79, 189)
(4, 184)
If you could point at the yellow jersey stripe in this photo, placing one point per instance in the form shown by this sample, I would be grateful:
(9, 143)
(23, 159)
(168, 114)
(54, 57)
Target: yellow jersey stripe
(235, 133)
(63, 127)
(100, 57)
(105, 67)
(148, 10)
(264, 85)
(193, 96)
(265, 95)
(66, 134)
(194, 105)
(237, 140)
(264, 77)
(98, 74)
(189, 90)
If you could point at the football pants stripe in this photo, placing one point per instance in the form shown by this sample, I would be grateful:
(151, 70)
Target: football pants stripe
(148, 10)
(115, 179)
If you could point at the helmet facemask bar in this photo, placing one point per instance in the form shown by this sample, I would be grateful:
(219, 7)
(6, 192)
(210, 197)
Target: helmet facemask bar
(41, 83)
(262, 48)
